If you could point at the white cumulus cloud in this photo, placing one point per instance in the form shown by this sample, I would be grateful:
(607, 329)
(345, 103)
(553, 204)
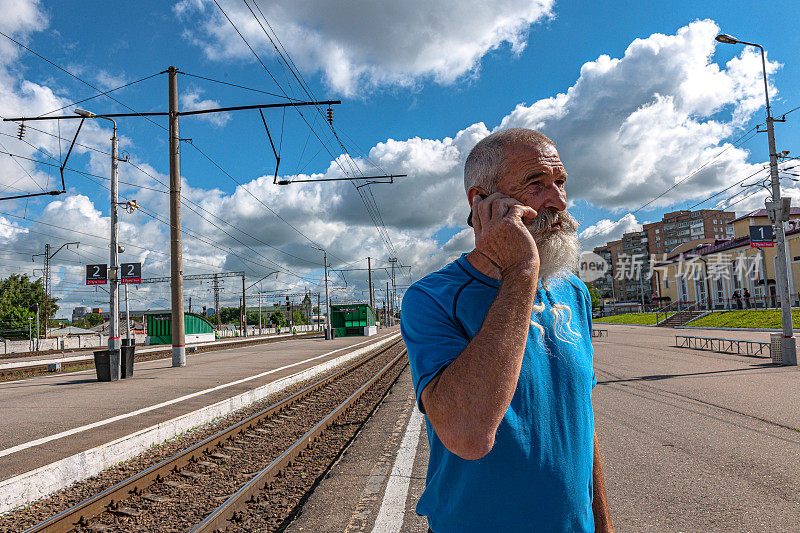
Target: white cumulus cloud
(364, 44)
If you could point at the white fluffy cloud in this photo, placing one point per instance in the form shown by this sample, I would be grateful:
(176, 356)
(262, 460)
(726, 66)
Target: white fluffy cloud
(607, 230)
(362, 44)
(629, 128)
(192, 101)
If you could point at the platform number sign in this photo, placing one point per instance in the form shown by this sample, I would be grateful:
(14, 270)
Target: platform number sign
(130, 273)
(96, 274)
(761, 237)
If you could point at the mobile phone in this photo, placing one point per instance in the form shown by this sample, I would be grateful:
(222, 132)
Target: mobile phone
(469, 217)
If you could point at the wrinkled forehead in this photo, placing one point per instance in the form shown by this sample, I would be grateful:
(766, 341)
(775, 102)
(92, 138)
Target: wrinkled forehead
(526, 156)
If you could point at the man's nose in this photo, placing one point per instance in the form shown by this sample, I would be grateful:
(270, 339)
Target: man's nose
(556, 197)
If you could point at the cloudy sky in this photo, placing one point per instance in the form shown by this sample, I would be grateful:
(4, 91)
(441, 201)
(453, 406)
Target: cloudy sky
(649, 114)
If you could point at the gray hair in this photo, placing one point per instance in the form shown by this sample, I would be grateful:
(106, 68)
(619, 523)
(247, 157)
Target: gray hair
(486, 162)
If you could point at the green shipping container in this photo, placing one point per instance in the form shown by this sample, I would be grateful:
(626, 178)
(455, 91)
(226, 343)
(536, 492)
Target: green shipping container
(159, 327)
(349, 320)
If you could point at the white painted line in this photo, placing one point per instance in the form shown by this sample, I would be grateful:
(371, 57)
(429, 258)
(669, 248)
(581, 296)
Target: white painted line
(35, 484)
(73, 431)
(139, 349)
(393, 507)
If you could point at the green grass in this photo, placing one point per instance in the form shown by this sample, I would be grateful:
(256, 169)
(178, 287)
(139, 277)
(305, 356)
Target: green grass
(644, 319)
(746, 318)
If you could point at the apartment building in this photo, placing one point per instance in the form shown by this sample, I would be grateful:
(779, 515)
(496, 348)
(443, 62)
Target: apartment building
(678, 227)
(627, 281)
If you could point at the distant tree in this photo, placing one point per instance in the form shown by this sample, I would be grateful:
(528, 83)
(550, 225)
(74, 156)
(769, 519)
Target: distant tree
(299, 318)
(19, 297)
(93, 319)
(230, 315)
(595, 294)
(277, 319)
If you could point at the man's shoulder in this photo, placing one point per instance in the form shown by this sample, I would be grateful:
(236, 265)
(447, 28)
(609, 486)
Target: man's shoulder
(440, 286)
(571, 285)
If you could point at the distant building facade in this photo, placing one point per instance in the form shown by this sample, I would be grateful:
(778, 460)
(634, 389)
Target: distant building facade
(630, 258)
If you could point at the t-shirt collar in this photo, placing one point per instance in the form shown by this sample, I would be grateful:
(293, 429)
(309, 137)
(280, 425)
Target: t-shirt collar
(475, 273)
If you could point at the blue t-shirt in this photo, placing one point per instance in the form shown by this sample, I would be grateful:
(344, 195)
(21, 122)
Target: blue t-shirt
(538, 475)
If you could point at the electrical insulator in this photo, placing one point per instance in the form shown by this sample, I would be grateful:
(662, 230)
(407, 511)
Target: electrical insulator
(330, 115)
(21, 132)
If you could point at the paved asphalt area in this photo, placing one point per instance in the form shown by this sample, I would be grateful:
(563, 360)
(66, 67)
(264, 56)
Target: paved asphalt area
(691, 441)
(694, 440)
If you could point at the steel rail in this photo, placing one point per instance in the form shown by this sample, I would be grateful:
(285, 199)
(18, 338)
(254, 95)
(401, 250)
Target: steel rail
(108, 500)
(231, 509)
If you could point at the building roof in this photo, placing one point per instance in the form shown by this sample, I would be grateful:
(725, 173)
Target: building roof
(763, 213)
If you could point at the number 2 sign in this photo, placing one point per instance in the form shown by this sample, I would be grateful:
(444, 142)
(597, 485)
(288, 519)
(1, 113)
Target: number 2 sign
(96, 274)
(130, 273)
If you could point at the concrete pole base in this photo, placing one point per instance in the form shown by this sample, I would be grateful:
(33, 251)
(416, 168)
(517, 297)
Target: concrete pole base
(178, 356)
(789, 351)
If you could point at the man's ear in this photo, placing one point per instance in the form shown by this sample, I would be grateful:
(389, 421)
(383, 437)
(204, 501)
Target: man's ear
(473, 191)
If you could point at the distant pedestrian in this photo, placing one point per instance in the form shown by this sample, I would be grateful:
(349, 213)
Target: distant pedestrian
(746, 298)
(738, 299)
(500, 348)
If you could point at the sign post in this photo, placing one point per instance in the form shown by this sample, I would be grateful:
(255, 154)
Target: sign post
(129, 273)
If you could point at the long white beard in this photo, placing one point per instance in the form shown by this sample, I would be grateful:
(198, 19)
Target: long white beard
(559, 251)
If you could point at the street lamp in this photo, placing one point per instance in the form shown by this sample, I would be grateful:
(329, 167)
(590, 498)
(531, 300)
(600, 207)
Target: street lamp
(779, 211)
(328, 332)
(113, 326)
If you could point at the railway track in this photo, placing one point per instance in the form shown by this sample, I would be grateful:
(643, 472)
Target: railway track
(257, 469)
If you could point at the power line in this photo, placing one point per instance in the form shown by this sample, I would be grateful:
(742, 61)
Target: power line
(105, 93)
(40, 56)
(238, 86)
(701, 167)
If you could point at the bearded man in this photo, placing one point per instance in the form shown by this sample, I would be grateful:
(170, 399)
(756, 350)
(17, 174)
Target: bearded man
(501, 357)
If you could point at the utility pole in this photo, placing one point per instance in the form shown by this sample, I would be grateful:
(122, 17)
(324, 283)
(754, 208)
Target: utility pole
(113, 326)
(176, 259)
(328, 334)
(260, 332)
(389, 317)
(369, 269)
(216, 297)
(319, 313)
(48, 285)
(392, 261)
(190, 304)
(244, 309)
(779, 210)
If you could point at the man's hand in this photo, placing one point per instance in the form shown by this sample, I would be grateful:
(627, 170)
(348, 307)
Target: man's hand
(501, 235)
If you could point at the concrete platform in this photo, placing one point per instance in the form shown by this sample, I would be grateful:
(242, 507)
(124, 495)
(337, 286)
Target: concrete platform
(49, 418)
(45, 358)
(375, 486)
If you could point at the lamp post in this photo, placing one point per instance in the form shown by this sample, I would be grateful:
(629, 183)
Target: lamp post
(113, 326)
(779, 211)
(327, 298)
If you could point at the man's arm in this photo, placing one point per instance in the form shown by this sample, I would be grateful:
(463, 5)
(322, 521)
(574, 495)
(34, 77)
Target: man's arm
(466, 401)
(602, 513)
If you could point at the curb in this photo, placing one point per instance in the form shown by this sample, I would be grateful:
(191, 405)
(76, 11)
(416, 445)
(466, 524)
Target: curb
(30, 486)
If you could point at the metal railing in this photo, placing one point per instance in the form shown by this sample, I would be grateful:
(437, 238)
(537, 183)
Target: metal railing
(675, 307)
(715, 344)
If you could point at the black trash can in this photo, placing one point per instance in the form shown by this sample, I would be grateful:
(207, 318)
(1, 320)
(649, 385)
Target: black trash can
(128, 353)
(330, 334)
(107, 365)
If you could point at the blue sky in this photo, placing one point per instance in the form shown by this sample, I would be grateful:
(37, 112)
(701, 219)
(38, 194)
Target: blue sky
(419, 84)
